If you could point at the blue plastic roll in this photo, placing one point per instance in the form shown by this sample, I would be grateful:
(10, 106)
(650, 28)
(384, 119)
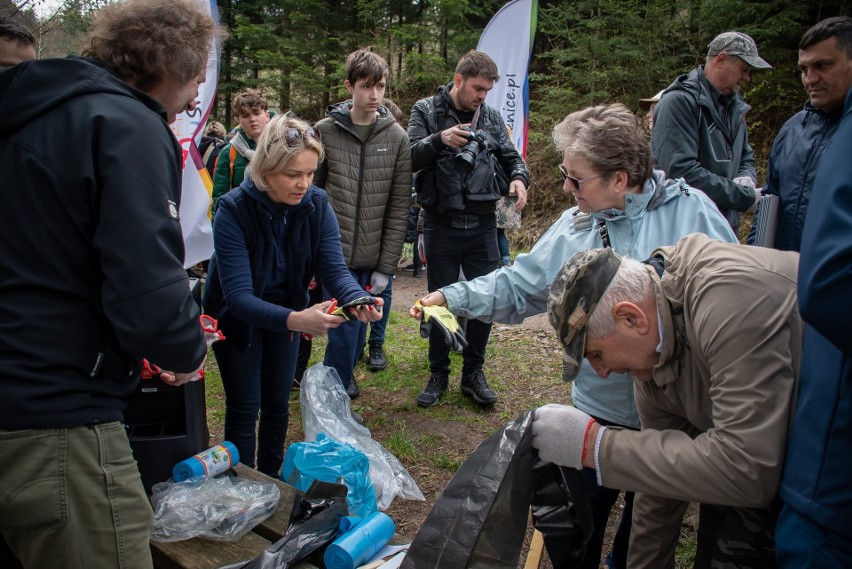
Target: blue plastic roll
(359, 544)
(213, 461)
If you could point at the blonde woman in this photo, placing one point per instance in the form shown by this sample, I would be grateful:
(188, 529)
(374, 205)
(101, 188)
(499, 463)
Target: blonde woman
(272, 234)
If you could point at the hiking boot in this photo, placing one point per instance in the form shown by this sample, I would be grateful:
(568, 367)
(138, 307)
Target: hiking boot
(476, 387)
(353, 390)
(378, 361)
(435, 388)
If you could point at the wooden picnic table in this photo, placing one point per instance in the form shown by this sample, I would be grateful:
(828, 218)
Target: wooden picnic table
(200, 553)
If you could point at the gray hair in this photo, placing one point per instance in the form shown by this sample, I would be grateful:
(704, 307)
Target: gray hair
(632, 283)
(611, 138)
(274, 153)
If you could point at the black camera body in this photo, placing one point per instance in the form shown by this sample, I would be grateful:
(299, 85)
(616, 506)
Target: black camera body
(466, 158)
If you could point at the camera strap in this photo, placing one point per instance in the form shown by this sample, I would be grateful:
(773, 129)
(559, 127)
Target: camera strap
(475, 118)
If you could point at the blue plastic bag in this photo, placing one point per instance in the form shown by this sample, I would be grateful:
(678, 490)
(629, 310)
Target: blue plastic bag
(331, 461)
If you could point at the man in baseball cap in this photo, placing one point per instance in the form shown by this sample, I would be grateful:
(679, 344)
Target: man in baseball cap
(711, 334)
(711, 153)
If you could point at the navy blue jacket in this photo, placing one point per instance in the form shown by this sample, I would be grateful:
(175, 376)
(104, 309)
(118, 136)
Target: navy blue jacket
(817, 482)
(91, 249)
(265, 248)
(793, 163)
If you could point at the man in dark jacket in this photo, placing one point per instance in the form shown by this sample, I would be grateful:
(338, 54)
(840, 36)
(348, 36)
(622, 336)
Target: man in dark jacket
(815, 527)
(460, 150)
(91, 255)
(825, 60)
(700, 131)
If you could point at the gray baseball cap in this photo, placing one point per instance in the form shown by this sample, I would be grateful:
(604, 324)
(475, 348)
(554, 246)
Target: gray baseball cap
(738, 44)
(573, 296)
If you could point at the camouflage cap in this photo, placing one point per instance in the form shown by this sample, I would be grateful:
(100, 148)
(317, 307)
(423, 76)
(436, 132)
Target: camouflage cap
(738, 44)
(573, 297)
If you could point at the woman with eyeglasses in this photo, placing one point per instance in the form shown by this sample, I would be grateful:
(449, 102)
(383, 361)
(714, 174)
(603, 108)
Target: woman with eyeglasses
(272, 234)
(621, 203)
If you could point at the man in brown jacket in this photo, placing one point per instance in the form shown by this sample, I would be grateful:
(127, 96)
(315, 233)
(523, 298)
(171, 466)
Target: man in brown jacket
(712, 336)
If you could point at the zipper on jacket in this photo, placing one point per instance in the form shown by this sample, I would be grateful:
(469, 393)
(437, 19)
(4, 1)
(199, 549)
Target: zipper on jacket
(358, 201)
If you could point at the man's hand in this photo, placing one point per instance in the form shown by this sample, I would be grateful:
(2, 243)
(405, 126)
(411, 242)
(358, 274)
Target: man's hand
(175, 379)
(562, 435)
(517, 188)
(455, 136)
(432, 299)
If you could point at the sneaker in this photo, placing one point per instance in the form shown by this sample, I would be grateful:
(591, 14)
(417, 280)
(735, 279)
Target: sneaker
(476, 387)
(353, 390)
(378, 361)
(436, 387)
(418, 273)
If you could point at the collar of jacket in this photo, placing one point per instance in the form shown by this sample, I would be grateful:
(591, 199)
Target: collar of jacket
(654, 193)
(698, 84)
(674, 333)
(341, 115)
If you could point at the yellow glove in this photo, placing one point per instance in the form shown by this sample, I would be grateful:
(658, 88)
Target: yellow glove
(446, 322)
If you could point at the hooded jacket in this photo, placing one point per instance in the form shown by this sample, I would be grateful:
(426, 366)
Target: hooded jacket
(691, 141)
(91, 252)
(665, 211)
(716, 414)
(369, 187)
(257, 241)
(793, 162)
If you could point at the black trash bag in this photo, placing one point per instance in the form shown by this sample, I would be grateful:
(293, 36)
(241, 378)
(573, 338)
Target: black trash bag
(561, 511)
(314, 522)
(481, 519)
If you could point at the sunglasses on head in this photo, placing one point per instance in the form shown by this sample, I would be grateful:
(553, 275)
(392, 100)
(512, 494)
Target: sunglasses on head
(294, 136)
(576, 182)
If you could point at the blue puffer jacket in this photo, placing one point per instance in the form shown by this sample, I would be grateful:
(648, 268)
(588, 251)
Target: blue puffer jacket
(793, 163)
(262, 246)
(665, 211)
(816, 480)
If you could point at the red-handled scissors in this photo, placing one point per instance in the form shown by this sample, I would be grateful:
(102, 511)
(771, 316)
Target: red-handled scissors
(210, 325)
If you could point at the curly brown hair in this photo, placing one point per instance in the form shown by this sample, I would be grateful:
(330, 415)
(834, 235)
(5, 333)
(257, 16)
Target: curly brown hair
(146, 41)
(248, 101)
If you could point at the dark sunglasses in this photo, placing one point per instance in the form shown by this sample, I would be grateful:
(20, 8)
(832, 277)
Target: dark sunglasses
(576, 182)
(294, 136)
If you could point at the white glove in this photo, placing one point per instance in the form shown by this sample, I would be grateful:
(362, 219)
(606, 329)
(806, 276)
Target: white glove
(745, 181)
(559, 433)
(378, 283)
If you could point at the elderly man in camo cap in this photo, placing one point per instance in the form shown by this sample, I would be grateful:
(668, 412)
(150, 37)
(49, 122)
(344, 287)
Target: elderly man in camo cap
(711, 334)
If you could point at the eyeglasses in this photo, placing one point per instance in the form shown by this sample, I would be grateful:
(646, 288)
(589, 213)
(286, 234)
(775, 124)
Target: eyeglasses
(294, 136)
(576, 182)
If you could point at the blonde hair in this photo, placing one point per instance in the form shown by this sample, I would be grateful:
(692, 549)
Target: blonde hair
(274, 152)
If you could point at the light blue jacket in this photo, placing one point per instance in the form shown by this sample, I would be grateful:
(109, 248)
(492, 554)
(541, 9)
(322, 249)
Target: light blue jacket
(665, 211)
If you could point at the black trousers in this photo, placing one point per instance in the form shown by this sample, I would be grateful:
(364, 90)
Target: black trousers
(450, 251)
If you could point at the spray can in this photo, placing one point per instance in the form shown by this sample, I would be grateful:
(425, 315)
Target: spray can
(211, 462)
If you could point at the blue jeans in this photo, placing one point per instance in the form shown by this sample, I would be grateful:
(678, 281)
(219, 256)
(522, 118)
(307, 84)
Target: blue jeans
(449, 250)
(347, 340)
(259, 380)
(503, 245)
(377, 328)
(801, 544)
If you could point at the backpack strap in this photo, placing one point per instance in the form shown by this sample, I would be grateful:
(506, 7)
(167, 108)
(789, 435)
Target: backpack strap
(232, 156)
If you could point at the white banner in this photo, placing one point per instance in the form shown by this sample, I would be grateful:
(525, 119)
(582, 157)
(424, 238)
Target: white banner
(197, 185)
(508, 40)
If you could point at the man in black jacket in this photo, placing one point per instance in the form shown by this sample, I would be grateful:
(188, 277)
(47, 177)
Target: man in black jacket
(91, 258)
(464, 161)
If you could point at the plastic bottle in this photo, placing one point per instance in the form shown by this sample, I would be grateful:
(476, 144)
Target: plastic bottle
(215, 460)
(359, 542)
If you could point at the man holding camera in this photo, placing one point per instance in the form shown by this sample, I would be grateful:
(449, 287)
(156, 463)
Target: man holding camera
(464, 162)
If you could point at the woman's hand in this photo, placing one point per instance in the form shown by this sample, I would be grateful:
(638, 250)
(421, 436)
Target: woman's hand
(314, 320)
(367, 313)
(432, 299)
